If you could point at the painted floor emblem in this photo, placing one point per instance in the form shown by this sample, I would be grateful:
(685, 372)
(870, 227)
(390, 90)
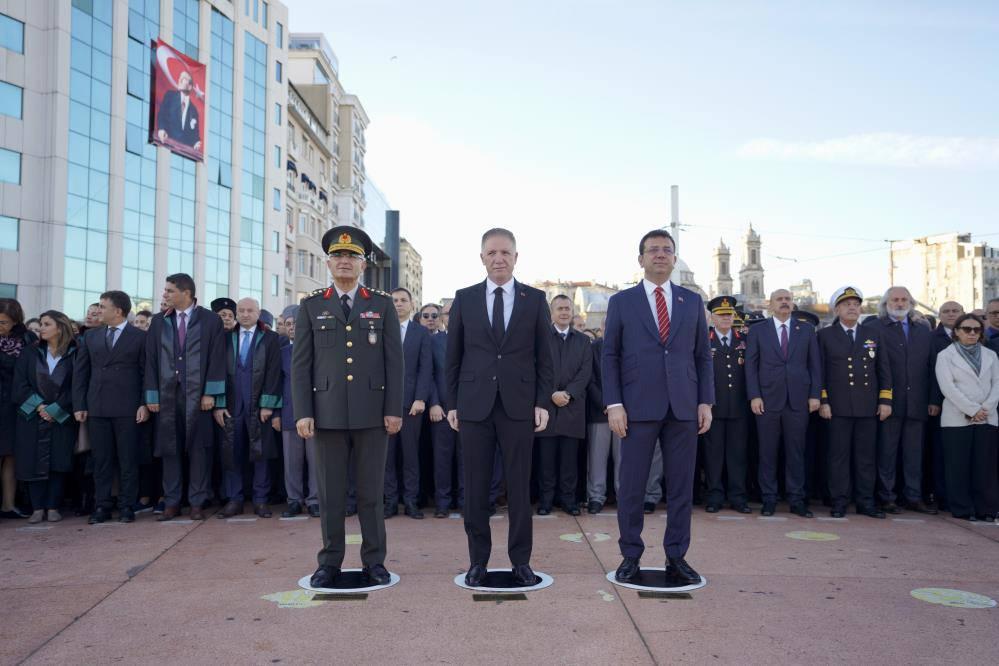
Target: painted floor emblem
(293, 599)
(953, 598)
(805, 535)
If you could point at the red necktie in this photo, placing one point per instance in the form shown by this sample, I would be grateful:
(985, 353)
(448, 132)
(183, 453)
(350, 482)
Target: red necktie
(662, 313)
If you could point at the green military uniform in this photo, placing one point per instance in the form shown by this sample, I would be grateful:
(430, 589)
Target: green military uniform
(347, 375)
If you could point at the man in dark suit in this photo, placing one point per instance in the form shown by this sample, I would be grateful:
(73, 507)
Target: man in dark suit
(107, 396)
(447, 449)
(185, 373)
(418, 362)
(658, 384)
(347, 377)
(783, 382)
(178, 119)
(499, 376)
(253, 393)
(725, 443)
(908, 346)
(559, 443)
(856, 394)
(934, 480)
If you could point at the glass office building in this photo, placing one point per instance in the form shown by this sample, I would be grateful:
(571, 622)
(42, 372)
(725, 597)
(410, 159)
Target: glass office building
(88, 204)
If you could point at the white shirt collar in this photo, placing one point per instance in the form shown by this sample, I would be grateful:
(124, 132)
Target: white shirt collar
(507, 288)
(724, 336)
(778, 323)
(650, 287)
(251, 330)
(120, 326)
(188, 311)
(563, 331)
(404, 324)
(848, 328)
(352, 293)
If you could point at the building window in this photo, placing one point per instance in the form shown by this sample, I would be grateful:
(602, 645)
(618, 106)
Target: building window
(185, 26)
(319, 76)
(10, 166)
(254, 199)
(10, 99)
(263, 16)
(277, 199)
(276, 241)
(277, 157)
(277, 113)
(11, 34)
(278, 71)
(274, 285)
(279, 35)
(9, 227)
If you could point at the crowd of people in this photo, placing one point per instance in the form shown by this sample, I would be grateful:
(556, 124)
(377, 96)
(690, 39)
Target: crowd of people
(890, 413)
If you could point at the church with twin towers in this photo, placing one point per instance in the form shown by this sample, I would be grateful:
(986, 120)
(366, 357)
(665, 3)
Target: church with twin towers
(751, 293)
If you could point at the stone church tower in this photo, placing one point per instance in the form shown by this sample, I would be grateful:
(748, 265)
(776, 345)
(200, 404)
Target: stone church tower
(751, 273)
(723, 278)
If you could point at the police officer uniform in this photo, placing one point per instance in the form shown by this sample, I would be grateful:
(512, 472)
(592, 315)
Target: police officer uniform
(857, 379)
(347, 375)
(725, 442)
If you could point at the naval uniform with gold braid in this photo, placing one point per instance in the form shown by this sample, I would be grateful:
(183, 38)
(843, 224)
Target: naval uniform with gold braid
(347, 375)
(857, 378)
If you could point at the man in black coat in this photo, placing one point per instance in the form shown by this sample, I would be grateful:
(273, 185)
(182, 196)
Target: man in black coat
(178, 118)
(108, 397)
(185, 373)
(856, 394)
(725, 443)
(253, 393)
(559, 443)
(418, 364)
(499, 375)
(909, 347)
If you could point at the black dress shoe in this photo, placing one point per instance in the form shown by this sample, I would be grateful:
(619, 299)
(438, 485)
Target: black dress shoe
(871, 512)
(742, 508)
(524, 576)
(313, 510)
(492, 508)
(677, 570)
(838, 513)
(544, 510)
(294, 508)
(126, 515)
(768, 509)
(801, 510)
(892, 508)
(413, 511)
(99, 515)
(476, 573)
(594, 506)
(627, 571)
(351, 510)
(440, 513)
(324, 577)
(572, 510)
(377, 574)
(648, 507)
(391, 510)
(923, 507)
(713, 508)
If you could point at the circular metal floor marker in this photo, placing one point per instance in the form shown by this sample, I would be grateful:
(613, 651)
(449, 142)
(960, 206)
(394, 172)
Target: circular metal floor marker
(653, 579)
(350, 581)
(501, 580)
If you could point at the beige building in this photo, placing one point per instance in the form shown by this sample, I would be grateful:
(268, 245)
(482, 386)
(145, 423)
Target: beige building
(946, 267)
(589, 298)
(411, 271)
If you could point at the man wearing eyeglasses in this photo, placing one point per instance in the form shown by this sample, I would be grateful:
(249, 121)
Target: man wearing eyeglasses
(429, 317)
(659, 387)
(992, 312)
(347, 390)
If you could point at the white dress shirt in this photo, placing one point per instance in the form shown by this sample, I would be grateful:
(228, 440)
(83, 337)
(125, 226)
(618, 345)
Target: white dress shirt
(650, 293)
(187, 315)
(242, 337)
(725, 338)
(117, 332)
(507, 301)
(778, 323)
(404, 325)
(350, 294)
(564, 332)
(51, 360)
(847, 329)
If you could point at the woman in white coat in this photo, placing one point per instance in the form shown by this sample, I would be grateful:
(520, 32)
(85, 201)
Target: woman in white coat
(968, 374)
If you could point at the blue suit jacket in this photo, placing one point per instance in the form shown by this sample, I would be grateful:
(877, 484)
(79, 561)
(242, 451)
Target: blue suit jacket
(418, 362)
(648, 376)
(783, 383)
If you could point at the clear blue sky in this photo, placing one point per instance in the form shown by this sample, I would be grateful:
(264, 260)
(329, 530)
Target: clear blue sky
(830, 125)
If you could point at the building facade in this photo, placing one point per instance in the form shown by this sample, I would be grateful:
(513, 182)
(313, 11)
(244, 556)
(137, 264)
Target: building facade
(751, 274)
(589, 298)
(97, 207)
(803, 294)
(722, 286)
(411, 271)
(946, 267)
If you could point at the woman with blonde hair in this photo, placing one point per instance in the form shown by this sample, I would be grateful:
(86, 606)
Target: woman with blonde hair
(46, 430)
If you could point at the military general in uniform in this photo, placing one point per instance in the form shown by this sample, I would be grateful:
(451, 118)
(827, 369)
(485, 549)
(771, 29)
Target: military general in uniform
(347, 381)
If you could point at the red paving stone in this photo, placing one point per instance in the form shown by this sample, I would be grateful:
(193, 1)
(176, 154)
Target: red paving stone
(194, 593)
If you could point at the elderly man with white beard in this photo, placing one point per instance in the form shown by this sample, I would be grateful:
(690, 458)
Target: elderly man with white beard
(912, 358)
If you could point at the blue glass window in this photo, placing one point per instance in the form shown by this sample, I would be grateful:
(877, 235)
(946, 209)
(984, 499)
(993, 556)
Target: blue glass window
(10, 166)
(11, 97)
(9, 228)
(11, 34)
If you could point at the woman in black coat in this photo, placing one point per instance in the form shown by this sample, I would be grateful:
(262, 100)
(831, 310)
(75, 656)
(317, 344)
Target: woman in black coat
(14, 337)
(45, 435)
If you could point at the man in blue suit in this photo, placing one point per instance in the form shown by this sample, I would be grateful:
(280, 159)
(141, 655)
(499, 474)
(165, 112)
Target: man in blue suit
(418, 362)
(783, 382)
(657, 384)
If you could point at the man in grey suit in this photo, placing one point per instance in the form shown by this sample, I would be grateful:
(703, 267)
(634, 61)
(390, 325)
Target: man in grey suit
(347, 374)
